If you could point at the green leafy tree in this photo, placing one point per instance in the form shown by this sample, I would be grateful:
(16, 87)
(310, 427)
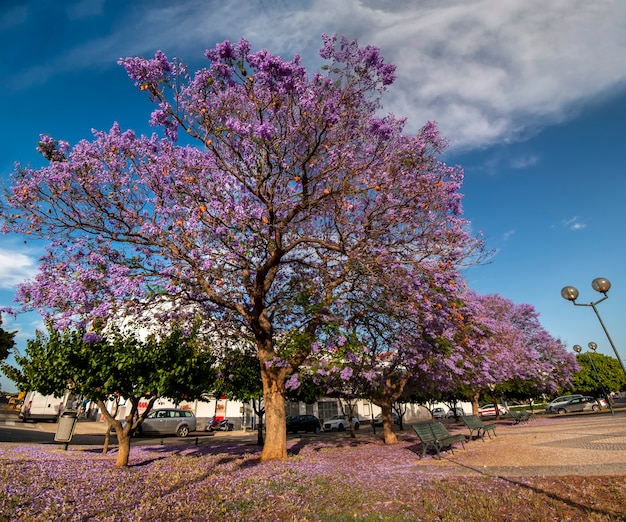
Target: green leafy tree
(239, 378)
(7, 341)
(610, 376)
(176, 365)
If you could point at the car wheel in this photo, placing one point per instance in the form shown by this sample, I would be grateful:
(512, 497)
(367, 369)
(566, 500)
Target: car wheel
(595, 407)
(341, 427)
(561, 411)
(183, 431)
(357, 425)
(316, 430)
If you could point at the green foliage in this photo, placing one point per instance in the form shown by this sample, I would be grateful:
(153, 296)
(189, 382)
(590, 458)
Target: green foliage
(239, 375)
(176, 365)
(7, 341)
(239, 378)
(610, 376)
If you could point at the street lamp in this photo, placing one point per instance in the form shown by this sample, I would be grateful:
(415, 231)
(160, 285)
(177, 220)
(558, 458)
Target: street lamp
(602, 285)
(592, 346)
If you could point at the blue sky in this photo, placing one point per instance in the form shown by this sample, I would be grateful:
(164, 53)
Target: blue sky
(530, 94)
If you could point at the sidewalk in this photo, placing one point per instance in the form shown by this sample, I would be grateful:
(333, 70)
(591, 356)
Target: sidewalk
(589, 444)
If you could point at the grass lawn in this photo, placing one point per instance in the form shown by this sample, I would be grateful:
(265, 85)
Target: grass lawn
(331, 480)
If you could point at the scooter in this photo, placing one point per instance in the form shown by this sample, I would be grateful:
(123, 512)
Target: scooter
(223, 425)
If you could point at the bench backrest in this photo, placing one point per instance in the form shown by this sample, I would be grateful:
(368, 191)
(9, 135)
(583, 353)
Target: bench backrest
(424, 432)
(439, 430)
(472, 421)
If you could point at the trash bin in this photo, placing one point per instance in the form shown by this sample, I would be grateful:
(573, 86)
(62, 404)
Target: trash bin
(66, 425)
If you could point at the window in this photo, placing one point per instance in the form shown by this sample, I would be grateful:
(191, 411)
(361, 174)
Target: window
(326, 409)
(292, 408)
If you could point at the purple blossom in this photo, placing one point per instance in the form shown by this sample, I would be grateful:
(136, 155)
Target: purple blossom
(293, 382)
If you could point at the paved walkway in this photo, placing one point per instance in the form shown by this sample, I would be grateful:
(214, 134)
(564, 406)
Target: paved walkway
(588, 444)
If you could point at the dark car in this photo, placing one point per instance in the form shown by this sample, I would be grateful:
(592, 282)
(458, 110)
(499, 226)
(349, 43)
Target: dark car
(306, 423)
(378, 420)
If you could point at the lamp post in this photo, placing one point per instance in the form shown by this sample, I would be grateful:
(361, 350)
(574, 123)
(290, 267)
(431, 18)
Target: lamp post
(602, 285)
(592, 346)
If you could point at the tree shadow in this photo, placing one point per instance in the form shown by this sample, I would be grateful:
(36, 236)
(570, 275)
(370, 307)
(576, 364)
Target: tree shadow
(519, 482)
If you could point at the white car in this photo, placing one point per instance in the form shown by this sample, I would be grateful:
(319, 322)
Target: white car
(488, 410)
(340, 423)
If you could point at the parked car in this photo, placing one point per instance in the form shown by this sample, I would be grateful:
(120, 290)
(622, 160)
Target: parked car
(306, 423)
(489, 410)
(168, 421)
(340, 423)
(554, 404)
(602, 402)
(439, 413)
(577, 404)
(455, 412)
(378, 420)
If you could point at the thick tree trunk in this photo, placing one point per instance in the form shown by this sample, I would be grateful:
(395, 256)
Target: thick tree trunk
(275, 446)
(123, 442)
(388, 435)
(124, 435)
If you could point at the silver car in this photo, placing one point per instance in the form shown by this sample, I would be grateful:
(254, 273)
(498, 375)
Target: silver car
(554, 405)
(168, 421)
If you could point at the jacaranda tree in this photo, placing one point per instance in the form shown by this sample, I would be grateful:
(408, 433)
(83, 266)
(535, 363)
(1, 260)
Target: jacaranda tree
(287, 189)
(398, 340)
(520, 350)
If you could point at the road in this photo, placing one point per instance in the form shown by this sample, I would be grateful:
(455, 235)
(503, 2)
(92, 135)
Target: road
(13, 430)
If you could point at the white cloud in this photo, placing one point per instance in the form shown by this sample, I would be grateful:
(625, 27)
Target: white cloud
(508, 234)
(522, 162)
(488, 71)
(573, 223)
(15, 267)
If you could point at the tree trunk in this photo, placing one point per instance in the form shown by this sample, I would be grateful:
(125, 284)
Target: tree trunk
(475, 399)
(259, 432)
(275, 446)
(496, 401)
(124, 434)
(123, 442)
(388, 435)
(107, 439)
(260, 412)
(273, 377)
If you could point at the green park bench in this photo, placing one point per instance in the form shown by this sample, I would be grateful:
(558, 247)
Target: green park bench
(519, 416)
(436, 435)
(474, 424)
(426, 437)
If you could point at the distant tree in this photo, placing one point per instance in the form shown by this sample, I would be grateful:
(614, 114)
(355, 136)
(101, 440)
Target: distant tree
(400, 341)
(239, 378)
(174, 365)
(7, 342)
(521, 356)
(609, 378)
